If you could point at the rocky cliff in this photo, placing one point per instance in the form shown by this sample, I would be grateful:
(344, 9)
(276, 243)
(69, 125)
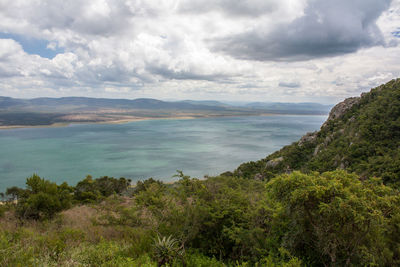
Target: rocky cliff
(361, 134)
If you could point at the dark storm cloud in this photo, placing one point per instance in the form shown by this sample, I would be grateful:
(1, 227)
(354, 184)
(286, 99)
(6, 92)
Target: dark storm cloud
(167, 73)
(327, 28)
(112, 47)
(230, 7)
(79, 17)
(248, 86)
(289, 84)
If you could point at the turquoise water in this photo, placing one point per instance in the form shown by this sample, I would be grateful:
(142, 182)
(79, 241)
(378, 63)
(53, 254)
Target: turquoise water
(138, 150)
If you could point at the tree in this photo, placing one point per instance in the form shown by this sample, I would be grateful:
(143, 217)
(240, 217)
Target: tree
(92, 190)
(13, 193)
(333, 218)
(43, 199)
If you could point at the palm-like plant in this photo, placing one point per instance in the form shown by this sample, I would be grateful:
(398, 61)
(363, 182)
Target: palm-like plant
(166, 249)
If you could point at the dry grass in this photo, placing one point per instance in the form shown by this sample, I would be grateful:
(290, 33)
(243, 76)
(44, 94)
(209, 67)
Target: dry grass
(93, 222)
(9, 221)
(88, 220)
(79, 217)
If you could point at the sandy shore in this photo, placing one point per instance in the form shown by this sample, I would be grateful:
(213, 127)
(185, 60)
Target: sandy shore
(5, 127)
(118, 121)
(132, 119)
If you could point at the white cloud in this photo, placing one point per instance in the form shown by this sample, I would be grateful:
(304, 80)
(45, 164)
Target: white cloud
(165, 49)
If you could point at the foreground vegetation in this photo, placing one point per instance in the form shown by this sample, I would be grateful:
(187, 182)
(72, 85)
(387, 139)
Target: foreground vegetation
(316, 202)
(331, 219)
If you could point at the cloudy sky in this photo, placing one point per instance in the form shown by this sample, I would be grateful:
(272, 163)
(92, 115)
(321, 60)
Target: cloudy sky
(243, 50)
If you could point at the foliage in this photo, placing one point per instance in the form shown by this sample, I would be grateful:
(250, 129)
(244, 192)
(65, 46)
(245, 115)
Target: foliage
(166, 250)
(334, 218)
(92, 190)
(220, 216)
(13, 193)
(42, 199)
(144, 185)
(28, 118)
(331, 219)
(3, 209)
(365, 140)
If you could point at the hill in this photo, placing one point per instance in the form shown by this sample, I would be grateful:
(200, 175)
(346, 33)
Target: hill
(49, 111)
(333, 218)
(70, 104)
(294, 108)
(82, 103)
(361, 135)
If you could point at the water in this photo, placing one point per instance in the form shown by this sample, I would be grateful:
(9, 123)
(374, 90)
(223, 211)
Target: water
(138, 150)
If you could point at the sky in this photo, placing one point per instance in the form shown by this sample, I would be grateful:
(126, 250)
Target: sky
(233, 50)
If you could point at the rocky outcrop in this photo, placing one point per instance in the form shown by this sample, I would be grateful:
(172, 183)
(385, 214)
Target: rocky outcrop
(274, 162)
(258, 177)
(340, 109)
(317, 150)
(361, 136)
(308, 138)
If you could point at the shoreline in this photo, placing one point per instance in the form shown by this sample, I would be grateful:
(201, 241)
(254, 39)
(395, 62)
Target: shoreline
(122, 121)
(119, 121)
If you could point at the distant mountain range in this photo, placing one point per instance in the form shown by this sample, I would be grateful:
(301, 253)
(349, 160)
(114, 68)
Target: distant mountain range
(292, 107)
(42, 111)
(85, 103)
(73, 104)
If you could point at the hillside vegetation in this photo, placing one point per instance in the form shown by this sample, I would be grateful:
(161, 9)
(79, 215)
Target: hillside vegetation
(331, 219)
(361, 135)
(330, 199)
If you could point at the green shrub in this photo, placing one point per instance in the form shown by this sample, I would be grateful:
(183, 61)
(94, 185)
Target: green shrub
(42, 199)
(92, 190)
(333, 218)
(166, 250)
(200, 260)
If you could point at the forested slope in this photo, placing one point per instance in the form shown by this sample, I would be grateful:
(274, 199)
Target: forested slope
(362, 135)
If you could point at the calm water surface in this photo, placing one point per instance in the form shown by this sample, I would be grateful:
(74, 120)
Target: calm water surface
(138, 150)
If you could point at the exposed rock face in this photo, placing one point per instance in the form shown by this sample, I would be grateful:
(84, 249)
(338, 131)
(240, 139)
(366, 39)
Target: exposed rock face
(274, 162)
(258, 177)
(308, 138)
(316, 150)
(341, 108)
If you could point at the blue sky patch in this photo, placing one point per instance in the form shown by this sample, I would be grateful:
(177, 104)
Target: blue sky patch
(33, 46)
(396, 33)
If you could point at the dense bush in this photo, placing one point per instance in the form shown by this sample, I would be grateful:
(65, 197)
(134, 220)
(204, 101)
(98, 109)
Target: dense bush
(335, 219)
(330, 219)
(42, 199)
(92, 190)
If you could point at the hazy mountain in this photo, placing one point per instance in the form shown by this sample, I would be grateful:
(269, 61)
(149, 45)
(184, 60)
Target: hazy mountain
(7, 102)
(47, 111)
(205, 102)
(290, 107)
(362, 135)
(65, 104)
(73, 103)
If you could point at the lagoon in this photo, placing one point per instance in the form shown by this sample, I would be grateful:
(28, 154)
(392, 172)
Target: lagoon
(143, 149)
